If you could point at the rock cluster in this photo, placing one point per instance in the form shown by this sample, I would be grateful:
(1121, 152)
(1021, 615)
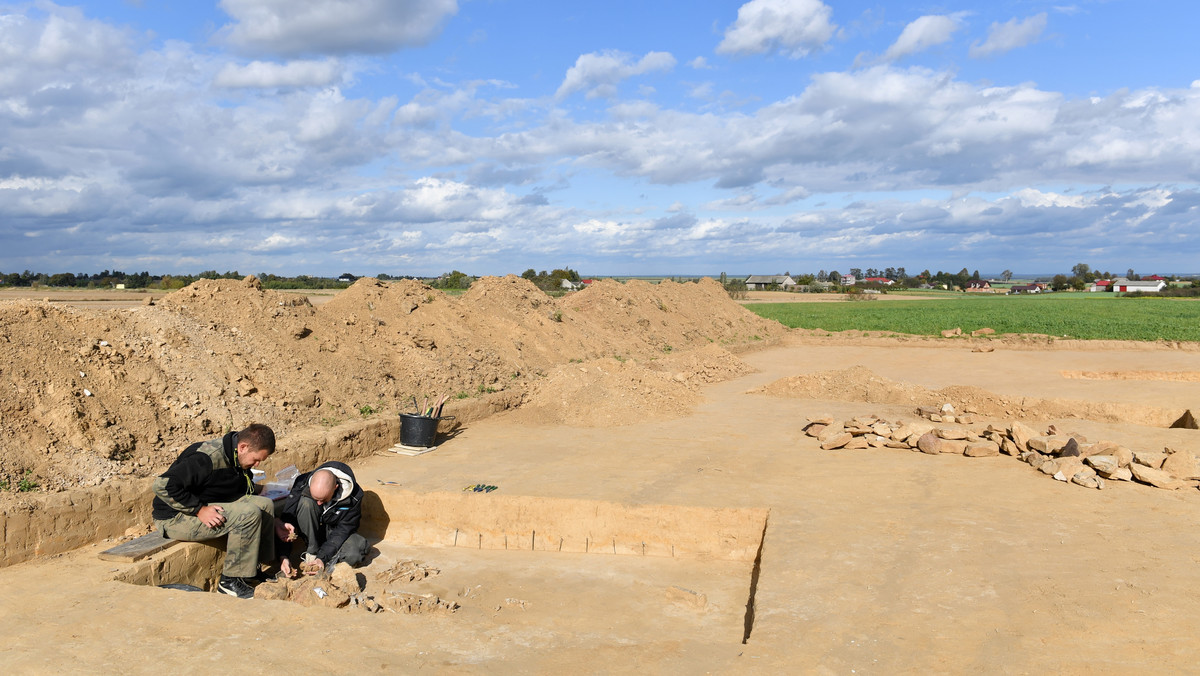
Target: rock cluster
(1067, 457)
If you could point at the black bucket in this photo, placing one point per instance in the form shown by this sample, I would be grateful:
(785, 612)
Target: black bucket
(419, 431)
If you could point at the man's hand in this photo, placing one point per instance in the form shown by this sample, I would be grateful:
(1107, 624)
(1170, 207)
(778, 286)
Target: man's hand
(285, 531)
(285, 565)
(313, 567)
(212, 516)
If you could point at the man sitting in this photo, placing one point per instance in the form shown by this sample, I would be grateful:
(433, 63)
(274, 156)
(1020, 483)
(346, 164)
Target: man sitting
(325, 506)
(208, 492)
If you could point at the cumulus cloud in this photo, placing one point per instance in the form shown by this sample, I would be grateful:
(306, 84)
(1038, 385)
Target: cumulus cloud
(923, 33)
(299, 27)
(600, 72)
(266, 75)
(793, 27)
(1007, 36)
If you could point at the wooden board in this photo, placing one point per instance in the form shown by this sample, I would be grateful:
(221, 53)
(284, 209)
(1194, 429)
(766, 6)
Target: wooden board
(137, 548)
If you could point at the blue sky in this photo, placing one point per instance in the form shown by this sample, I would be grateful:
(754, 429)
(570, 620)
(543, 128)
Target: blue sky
(369, 136)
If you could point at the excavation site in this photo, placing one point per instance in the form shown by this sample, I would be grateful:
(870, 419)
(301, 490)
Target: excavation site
(632, 477)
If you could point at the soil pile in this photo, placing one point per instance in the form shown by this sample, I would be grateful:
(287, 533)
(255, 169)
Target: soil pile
(90, 394)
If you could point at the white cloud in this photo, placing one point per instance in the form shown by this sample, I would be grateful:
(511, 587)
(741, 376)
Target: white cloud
(263, 74)
(1007, 36)
(699, 63)
(600, 72)
(923, 33)
(297, 27)
(793, 27)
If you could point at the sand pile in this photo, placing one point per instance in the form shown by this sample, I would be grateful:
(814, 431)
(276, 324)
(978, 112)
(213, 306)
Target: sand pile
(90, 394)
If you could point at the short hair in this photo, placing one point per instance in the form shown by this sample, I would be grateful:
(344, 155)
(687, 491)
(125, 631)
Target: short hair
(259, 436)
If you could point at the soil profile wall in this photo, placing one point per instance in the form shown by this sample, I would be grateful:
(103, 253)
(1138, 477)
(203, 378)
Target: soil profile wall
(41, 524)
(487, 521)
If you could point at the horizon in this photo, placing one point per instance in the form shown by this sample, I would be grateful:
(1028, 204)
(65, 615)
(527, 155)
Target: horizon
(624, 136)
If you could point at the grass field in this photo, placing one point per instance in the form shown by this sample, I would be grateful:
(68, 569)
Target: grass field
(1085, 316)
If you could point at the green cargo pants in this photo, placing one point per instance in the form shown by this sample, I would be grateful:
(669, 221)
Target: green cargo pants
(249, 523)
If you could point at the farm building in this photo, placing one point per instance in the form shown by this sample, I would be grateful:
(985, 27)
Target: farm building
(979, 286)
(1025, 288)
(763, 282)
(878, 280)
(1143, 286)
(1101, 285)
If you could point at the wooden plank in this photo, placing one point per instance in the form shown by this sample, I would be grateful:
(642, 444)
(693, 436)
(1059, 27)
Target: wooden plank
(137, 548)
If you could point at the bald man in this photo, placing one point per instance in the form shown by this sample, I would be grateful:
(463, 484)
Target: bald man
(323, 509)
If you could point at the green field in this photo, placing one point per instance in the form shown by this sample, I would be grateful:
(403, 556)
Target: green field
(1087, 316)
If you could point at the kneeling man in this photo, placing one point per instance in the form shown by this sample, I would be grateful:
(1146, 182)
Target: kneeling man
(324, 508)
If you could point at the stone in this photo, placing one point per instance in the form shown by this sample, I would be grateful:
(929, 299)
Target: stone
(856, 443)
(830, 432)
(1067, 467)
(1149, 459)
(948, 408)
(1122, 474)
(1047, 444)
(1123, 455)
(1088, 481)
(982, 449)
(950, 333)
(1180, 464)
(897, 444)
(1105, 464)
(983, 332)
(821, 420)
(929, 443)
(1098, 448)
(815, 429)
(1020, 433)
(875, 441)
(837, 441)
(984, 348)
(882, 429)
(951, 433)
(1154, 477)
(1070, 449)
(965, 418)
(1009, 447)
(953, 446)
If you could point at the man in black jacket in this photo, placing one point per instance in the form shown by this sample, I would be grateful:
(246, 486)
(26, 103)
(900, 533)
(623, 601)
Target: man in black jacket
(208, 492)
(324, 508)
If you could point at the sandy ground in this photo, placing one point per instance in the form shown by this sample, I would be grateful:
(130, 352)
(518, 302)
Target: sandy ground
(874, 561)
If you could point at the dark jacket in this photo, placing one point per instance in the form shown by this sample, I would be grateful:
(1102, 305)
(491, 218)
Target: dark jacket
(339, 517)
(204, 473)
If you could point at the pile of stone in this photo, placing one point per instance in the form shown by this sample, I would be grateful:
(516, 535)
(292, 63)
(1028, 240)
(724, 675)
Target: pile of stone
(1067, 457)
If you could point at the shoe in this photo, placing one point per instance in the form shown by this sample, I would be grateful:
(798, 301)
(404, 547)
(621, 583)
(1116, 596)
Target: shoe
(235, 586)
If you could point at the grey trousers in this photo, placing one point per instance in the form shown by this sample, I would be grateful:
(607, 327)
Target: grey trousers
(249, 523)
(308, 522)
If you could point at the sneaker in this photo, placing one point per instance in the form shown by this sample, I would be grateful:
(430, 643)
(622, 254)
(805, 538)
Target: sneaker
(235, 586)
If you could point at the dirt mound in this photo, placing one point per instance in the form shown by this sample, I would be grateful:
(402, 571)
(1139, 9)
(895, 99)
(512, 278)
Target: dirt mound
(858, 383)
(604, 392)
(91, 394)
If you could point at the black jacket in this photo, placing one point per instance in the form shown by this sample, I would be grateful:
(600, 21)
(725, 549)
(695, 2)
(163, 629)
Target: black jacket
(339, 517)
(204, 473)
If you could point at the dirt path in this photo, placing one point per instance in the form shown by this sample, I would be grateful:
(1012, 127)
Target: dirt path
(874, 561)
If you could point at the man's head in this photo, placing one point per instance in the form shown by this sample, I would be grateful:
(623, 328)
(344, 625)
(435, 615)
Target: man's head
(322, 486)
(255, 443)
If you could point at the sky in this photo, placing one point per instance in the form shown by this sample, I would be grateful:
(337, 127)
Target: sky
(416, 137)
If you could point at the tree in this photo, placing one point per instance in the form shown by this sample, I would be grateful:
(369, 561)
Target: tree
(856, 273)
(835, 278)
(1081, 269)
(1059, 282)
(529, 274)
(822, 276)
(1006, 275)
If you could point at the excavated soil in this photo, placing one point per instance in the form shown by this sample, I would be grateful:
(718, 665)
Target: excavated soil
(92, 393)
